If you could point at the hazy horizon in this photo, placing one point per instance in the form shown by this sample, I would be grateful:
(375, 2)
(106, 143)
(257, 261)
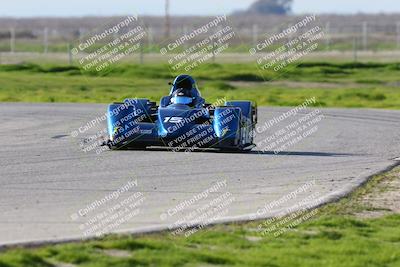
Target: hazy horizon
(75, 8)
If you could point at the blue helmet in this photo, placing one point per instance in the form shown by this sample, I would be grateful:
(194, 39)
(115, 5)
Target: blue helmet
(186, 84)
(184, 90)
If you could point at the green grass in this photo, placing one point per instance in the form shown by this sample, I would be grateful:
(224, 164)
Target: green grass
(366, 85)
(334, 237)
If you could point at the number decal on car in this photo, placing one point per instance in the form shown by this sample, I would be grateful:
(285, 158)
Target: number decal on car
(173, 119)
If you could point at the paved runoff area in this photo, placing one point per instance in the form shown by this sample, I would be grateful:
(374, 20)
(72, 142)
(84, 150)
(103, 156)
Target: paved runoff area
(57, 184)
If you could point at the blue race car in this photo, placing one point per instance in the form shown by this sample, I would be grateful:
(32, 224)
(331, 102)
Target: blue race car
(182, 121)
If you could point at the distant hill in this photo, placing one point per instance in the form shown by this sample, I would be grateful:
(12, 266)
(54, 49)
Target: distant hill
(268, 7)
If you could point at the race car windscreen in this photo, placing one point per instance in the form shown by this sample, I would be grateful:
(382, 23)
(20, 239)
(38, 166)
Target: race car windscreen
(185, 100)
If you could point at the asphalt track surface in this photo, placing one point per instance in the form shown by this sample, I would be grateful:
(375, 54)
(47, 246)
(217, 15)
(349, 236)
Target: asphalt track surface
(47, 181)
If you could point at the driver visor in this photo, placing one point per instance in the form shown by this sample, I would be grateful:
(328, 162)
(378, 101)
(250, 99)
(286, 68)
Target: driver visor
(181, 100)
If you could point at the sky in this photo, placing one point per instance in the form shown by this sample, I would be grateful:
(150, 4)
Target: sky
(33, 8)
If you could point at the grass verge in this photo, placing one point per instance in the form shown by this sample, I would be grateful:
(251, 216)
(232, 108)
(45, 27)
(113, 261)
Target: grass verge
(336, 236)
(364, 85)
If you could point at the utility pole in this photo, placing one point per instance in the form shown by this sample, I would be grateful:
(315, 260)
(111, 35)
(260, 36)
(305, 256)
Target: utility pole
(328, 35)
(398, 34)
(141, 55)
(12, 40)
(150, 38)
(185, 32)
(255, 34)
(70, 59)
(46, 40)
(355, 47)
(365, 35)
(167, 20)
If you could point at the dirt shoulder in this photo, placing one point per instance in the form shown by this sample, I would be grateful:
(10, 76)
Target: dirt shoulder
(383, 197)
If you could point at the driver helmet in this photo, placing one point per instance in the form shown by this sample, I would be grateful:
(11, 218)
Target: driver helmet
(181, 96)
(183, 90)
